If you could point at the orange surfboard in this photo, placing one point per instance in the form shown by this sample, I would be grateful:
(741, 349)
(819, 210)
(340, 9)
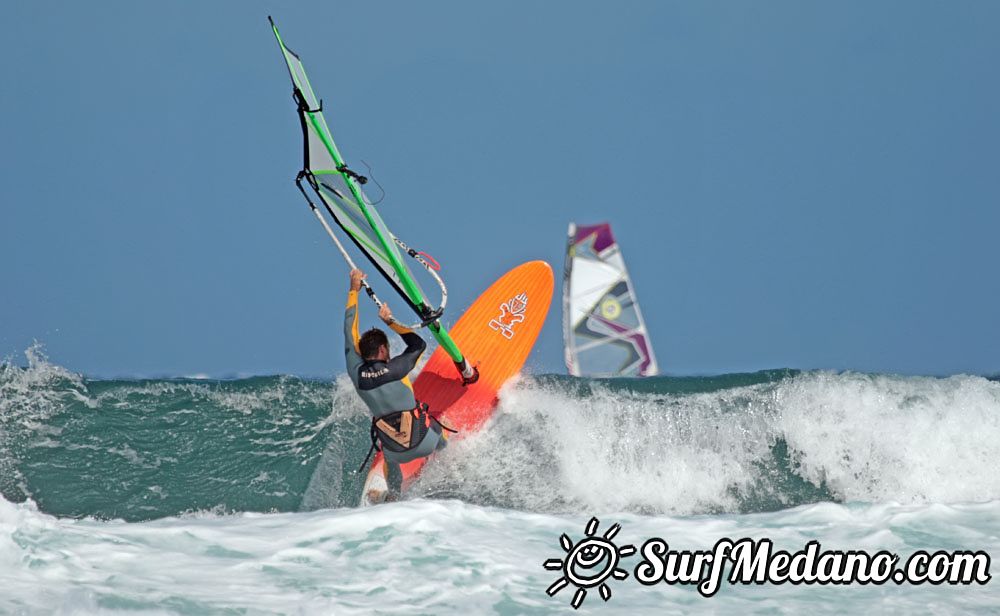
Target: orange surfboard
(496, 334)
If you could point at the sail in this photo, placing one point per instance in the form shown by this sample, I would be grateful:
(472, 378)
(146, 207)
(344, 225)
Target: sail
(604, 332)
(339, 188)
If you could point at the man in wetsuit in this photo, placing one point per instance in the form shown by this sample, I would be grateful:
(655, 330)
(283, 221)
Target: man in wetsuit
(401, 427)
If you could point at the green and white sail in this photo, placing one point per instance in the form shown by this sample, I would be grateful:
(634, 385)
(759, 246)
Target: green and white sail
(339, 189)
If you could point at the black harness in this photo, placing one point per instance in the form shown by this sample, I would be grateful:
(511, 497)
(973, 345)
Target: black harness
(401, 431)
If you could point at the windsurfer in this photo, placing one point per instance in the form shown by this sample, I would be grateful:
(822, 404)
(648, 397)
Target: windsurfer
(401, 427)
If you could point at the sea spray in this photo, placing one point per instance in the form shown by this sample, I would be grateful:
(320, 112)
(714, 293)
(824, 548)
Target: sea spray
(802, 437)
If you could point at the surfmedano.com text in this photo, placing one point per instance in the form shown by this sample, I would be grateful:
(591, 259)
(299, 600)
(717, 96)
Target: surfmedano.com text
(757, 562)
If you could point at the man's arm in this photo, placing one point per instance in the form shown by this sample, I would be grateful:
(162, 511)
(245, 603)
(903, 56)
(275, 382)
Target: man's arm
(351, 336)
(401, 365)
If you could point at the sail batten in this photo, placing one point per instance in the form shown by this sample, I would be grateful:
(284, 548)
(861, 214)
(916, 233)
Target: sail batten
(604, 332)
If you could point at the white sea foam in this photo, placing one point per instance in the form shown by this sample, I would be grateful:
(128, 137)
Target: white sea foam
(854, 437)
(28, 398)
(446, 557)
(878, 438)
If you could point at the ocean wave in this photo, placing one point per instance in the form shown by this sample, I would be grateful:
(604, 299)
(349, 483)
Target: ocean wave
(149, 448)
(796, 438)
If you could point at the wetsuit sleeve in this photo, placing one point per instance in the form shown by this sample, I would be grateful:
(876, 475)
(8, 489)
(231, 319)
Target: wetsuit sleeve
(351, 336)
(401, 365)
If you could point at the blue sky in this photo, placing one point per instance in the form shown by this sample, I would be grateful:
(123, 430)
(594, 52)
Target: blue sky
(794, 184)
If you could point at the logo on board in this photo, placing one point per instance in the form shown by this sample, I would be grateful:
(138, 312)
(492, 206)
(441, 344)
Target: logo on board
(511, 313)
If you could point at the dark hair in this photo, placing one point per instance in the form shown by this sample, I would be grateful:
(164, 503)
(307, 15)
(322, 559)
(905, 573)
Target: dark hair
(371, 341)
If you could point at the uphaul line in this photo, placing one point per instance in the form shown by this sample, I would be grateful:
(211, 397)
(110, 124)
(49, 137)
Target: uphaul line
(756, 562)
(339, 190)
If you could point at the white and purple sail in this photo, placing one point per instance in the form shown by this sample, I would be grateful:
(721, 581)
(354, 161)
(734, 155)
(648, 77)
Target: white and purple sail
(603, 329)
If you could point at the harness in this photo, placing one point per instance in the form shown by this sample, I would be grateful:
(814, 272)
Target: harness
(401, 431)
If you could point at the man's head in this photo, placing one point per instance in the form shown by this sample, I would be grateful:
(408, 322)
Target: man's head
(374, 345)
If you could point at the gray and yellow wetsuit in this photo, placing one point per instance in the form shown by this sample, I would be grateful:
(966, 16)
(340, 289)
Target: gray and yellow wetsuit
(405, 431)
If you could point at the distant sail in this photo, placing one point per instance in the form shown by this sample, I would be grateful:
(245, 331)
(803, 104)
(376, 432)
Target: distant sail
(603, 330)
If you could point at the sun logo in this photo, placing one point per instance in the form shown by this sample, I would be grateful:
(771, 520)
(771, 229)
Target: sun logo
(589, 563)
